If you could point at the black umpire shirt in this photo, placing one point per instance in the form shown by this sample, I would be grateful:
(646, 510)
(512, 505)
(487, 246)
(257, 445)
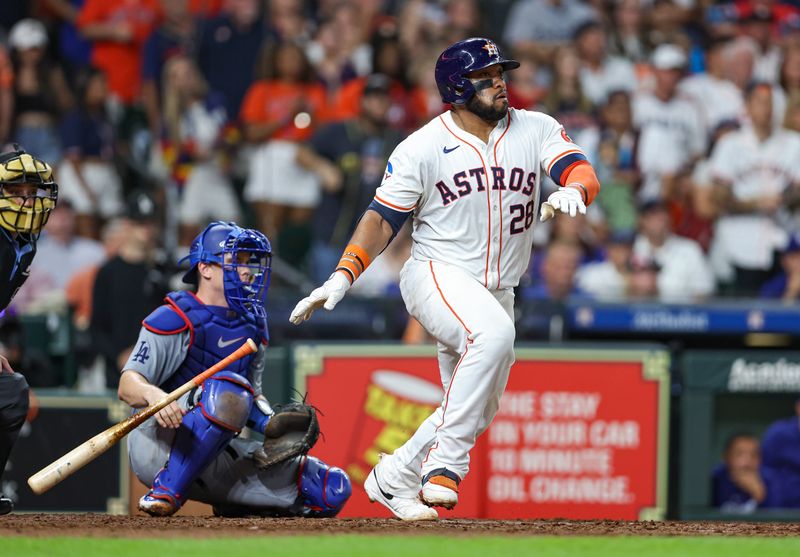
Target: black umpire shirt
(16, 256)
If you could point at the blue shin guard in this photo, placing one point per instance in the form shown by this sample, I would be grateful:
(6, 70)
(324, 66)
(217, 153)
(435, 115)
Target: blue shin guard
(205, 431)
(323, 489)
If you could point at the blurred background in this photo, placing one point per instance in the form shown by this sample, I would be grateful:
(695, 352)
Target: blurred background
(161, 115)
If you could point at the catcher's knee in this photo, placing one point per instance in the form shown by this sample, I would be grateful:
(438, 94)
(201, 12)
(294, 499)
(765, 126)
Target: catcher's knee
(226, 400)
(324, 489)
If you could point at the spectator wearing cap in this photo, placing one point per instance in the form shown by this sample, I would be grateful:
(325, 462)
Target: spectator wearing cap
(672, 134)
(684, 274)
(539, 27)
(41, 93)
(786, 285)
(349, 158)
(600, 73)
(87, 176)
(780, 451)
(752, 169)
(118, 31)
(127, 288)
(756, 23)
(720, 100)
(608, 281)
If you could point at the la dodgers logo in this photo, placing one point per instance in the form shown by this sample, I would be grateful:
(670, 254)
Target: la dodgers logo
(491, 48)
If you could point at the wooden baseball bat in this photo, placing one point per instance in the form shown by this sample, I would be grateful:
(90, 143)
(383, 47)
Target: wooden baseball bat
(548, 212)
(83, 454)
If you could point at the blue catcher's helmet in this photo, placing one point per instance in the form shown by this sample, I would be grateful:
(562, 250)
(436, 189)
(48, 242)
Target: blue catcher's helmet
(235, 249)
(462, 58)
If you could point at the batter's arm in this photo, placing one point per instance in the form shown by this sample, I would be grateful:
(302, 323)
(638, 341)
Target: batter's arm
(371, 236)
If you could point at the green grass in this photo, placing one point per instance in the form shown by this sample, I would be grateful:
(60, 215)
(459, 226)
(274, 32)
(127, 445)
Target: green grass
(410, 546)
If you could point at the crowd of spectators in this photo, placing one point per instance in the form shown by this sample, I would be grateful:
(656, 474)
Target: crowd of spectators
(281, 114)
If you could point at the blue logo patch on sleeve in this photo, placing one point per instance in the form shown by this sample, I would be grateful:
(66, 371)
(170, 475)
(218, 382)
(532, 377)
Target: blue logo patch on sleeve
(143, 353)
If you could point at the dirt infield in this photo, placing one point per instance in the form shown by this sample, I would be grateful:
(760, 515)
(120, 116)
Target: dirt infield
(99, 525)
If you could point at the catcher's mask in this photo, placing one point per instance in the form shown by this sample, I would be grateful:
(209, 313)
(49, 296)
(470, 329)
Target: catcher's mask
(28, 193)
(245, 256)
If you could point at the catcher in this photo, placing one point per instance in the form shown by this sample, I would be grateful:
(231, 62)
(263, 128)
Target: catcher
(27, 195)
(190, 449)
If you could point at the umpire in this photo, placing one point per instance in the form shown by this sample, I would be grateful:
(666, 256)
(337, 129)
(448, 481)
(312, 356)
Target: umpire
(27, 196)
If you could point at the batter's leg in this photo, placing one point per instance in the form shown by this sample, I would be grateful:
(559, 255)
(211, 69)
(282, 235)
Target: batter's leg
(403, 469)
(474, 325)
(485, 361)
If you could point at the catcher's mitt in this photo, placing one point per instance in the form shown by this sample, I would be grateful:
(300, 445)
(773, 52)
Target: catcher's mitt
(291, 431)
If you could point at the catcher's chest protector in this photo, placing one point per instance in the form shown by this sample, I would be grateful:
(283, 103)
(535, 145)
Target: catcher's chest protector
(215, 333)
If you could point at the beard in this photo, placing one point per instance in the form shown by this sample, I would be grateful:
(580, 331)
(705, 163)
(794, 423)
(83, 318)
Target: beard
(486, 112)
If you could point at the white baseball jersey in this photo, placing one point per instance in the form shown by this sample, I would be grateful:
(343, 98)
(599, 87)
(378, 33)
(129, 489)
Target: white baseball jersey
(672, 133)
(719, 99)
(753, 169)
(474, 203)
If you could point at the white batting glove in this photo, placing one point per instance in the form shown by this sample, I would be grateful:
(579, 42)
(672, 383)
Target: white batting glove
(327, 296)
(565, 199)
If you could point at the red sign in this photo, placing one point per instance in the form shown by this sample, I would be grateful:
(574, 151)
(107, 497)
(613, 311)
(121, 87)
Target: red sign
(572, 439)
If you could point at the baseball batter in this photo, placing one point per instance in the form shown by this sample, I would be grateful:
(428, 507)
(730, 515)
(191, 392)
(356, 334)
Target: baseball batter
(470, 178)
(191, 449)
(27, 196)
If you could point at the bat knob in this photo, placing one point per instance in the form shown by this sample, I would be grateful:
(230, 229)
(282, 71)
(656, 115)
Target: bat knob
(547, 212)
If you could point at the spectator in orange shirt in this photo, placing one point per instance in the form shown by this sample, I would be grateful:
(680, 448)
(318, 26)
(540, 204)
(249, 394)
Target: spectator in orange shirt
(407, 111)
(278, 112)
(119, 30)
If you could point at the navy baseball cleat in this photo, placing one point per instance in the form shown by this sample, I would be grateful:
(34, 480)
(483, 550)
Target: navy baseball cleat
(6, 505)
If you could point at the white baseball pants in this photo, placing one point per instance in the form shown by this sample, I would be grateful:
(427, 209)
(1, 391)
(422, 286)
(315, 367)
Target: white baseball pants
(475, 331)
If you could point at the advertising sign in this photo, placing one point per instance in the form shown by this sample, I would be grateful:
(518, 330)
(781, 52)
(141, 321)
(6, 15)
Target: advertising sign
(580, 433)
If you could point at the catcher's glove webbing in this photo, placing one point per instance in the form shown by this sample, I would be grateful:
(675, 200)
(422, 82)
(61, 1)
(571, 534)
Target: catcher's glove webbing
(290, 432)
